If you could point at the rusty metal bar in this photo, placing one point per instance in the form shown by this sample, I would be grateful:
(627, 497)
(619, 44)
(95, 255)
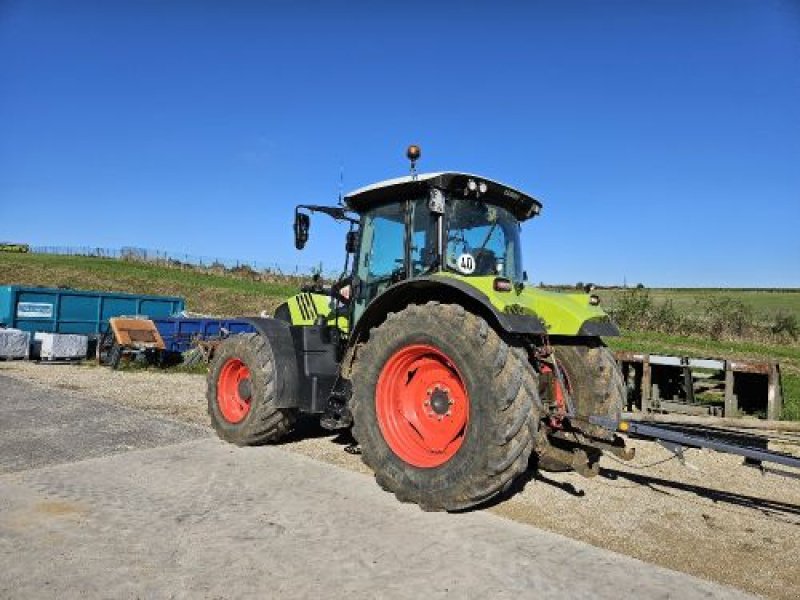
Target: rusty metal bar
(737, 365)
(749, 367)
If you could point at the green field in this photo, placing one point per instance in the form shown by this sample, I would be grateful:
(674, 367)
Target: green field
(764, 303)
(205, 292)
(225, 294)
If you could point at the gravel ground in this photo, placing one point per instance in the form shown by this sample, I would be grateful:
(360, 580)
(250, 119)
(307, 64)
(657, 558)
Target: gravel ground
(713, 518)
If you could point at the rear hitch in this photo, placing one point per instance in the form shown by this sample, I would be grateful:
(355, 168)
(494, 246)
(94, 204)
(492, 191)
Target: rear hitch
(616, 447)
(572, 447)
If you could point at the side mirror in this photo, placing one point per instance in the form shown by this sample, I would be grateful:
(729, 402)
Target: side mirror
(351, 245)
(302, 222)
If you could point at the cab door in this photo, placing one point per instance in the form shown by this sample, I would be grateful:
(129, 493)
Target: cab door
(381, 256)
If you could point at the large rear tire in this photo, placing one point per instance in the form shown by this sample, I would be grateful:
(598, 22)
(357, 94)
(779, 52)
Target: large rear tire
(241, 392)
(445, 411)
(595, 384)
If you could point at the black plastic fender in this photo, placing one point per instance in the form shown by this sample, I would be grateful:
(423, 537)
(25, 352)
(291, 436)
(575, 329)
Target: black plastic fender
(287, 378)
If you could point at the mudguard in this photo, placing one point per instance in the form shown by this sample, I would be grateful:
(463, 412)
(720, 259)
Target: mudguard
(561, 313)
(523, 311)
(306, 365)
(443, 289)
(287, 379)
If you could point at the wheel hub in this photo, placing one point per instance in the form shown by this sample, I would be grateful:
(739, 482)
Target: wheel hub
(440, 401)
(245, 389)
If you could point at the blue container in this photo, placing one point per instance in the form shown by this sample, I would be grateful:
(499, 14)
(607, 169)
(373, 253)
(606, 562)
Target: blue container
(56, 310)
(178, 333)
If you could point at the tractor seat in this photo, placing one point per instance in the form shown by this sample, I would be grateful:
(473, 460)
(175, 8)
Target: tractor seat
(485, 262)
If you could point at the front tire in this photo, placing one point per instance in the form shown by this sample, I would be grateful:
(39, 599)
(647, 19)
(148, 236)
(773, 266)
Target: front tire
(241, 392)
(445, 411)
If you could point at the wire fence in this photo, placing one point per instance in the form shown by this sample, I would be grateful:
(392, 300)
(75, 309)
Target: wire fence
(190, 261)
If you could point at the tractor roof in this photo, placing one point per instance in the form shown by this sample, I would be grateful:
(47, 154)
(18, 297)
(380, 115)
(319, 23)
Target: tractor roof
(521, 205)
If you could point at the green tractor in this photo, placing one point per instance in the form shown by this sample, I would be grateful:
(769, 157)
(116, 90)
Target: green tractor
(454, 375)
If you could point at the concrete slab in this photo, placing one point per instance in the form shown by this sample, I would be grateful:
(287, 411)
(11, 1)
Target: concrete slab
(40, 428)
(206, 519)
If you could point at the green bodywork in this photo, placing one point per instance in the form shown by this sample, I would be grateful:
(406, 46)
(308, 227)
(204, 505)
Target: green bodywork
(562, 313)
(304, 309)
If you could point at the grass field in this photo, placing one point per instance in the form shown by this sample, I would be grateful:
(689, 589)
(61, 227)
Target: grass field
(219, 294)
(764, 303)
(204, 292)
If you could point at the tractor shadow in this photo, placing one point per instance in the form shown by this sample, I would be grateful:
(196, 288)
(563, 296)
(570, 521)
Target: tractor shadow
(518, 485)
(783, 511)
(308, 427)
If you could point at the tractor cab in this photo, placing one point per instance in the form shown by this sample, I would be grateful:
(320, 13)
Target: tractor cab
(422, 225)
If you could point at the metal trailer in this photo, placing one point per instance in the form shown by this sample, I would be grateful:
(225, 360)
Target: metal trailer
(182, 333)
(57, 310)
(129, 337)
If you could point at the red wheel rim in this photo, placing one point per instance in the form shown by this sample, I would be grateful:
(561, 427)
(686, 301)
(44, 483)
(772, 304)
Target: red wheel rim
(422, 406)
(233, 390)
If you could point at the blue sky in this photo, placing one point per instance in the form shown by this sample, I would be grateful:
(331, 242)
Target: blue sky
(662, 137)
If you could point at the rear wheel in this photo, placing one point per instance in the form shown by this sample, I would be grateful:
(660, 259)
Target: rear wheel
(595, 385)
(241, 392)
(444, 410)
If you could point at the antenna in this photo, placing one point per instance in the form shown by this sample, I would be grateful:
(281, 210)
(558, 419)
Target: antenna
(341, 184)
(413, 153)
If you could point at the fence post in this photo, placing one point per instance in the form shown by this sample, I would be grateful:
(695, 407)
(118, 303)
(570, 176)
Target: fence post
(731, 402)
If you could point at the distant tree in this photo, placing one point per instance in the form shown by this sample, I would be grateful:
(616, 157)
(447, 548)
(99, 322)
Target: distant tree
(639, 286)
(579, 285)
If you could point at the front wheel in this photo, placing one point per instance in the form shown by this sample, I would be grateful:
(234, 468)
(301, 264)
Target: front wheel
(445, 411)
